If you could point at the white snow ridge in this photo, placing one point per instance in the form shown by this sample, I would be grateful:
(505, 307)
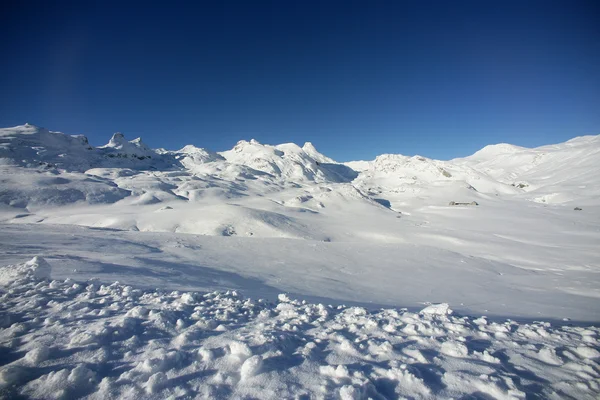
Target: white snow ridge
(133, 273)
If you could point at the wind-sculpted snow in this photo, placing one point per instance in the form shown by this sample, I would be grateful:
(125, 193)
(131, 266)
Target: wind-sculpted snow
(41, 189)
(67, 339)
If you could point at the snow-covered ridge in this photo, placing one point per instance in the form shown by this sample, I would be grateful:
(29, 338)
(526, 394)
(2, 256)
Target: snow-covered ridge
(288, 161)
(117, 168)
(130, 171)
(493, 150)
(125, 148)
(29, 146)
(558, 173)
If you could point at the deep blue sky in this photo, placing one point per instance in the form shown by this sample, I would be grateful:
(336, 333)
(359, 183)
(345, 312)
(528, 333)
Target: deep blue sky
(436, 78)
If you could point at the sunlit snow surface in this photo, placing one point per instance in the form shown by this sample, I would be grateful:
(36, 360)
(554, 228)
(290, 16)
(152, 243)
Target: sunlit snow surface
(68, 339)
(197, 238)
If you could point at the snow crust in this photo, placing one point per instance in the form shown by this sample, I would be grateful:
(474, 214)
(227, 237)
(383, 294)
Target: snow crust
(66, 339)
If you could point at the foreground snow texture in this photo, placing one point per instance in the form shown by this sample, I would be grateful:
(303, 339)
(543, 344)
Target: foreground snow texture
(67, 339)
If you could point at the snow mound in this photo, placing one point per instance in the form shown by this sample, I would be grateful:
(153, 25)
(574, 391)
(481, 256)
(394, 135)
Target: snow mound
(89, 340)
(36, 189)
(494, 150)
(36, 268)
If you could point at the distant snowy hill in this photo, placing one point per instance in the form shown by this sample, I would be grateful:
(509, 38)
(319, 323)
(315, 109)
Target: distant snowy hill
(31, 146)
(45, 168)
(560, 173)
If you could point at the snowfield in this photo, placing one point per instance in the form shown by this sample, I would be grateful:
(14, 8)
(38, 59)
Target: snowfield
(276, 272)
(68, 339)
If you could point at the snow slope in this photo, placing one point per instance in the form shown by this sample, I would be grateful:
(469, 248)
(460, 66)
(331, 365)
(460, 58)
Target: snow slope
(263, 220)
(556, 174)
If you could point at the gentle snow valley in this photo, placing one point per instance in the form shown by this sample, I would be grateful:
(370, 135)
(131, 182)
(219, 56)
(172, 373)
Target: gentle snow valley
(276, 272)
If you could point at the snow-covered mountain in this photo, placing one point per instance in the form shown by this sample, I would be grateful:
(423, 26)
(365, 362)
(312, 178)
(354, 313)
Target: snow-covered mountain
(562, 173)
(508, 232)
(44, 169)
(289, 162)
(257, 190)
(528, 200)
(34, 147)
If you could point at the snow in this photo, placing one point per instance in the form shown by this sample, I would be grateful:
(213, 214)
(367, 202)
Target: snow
(275, 272)
(36, 267)
(437, 309)
(114, 341)
(555, 174)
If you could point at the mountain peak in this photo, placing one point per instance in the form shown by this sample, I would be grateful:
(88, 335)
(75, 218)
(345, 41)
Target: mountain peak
(190, 148)
(309, 146)
(191, 155)
(494, 150)
(312, 151)
(118, 139)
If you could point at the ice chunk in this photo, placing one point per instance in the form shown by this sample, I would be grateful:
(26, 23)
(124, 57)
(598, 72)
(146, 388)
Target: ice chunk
(251, 367)
(437, 309)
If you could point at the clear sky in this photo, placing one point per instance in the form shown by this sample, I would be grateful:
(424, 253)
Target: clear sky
(436, 78)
